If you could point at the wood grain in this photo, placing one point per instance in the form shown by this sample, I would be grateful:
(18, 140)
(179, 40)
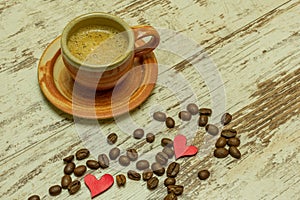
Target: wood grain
(255, 46)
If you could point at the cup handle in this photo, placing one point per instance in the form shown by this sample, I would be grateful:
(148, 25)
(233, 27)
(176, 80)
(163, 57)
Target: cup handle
(142, 31)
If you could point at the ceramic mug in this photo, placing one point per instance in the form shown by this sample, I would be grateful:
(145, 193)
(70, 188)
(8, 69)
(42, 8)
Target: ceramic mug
(99, 76)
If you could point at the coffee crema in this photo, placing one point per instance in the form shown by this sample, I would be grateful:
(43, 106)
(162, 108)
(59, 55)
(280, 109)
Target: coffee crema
(98, 44)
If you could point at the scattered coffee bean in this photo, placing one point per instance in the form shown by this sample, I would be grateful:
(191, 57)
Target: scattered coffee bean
(68, 159)
(170, 123)
(65, 181)
(92, 164)
(124, 160)
(159, 116)
(203, 120)
(54, 190)
(184, 115)
(192, 108)
(69, 168)
(132, 154)
(169, 181)
(133, 175)
(114, 153)
(229, 133)
(80, 170)
(74, 187)
(82, 154)
(168, 151)
(176, 189)
(112, 138)
(147, 174)
(34, 197)
(203, 174)
(150, 137)
(152, 183)
(142, 164)
(226, 119)
(138, 133)
(121, 180)
(212, 129)
(221, 142)
(166, 142)
(103, 161)
(161, 158)
(221, 152)
(205, 111)
(173, 169)
(234, 142)
(234, 152)
(158, 169)
(171, 196)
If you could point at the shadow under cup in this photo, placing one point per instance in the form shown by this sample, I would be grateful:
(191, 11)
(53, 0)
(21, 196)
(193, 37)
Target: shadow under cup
(105, 76)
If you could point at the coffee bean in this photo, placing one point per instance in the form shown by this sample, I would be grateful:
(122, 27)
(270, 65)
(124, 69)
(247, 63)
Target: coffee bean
(92, 164)
(142, 164)
(121, 180)
(114, 153)
(133, 175)
(161, 158)
(212, 129)
(226, 119)
(170, 123)
(205, 111)
(157, 169)
(132, 154)
(234, 152)
(103, 161)
(65, 181)
(166, 142)
(80, 170)
(34, 197)
(184, 115)
(124, 160)
(82, 154)
(203, 119)
(221, 142)
(173, 169)
(229, 133)
(147, 174)
(74, 187)
(168, 151)
(159, 116)
(69, 168)
(169, 181)
(54, 190)
(234, 142)
(171, 196)
(192, 108)
(112, 138)
(221, 152)
(68, 159)
(138, 133)
(203, 174)
(152, 183)
(176, 189)
(150, 137)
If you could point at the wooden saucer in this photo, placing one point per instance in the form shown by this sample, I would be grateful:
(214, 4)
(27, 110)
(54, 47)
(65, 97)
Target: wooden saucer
(59, 88)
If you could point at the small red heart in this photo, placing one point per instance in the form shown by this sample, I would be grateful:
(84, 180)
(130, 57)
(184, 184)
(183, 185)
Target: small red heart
(95, 186)
(181, 149)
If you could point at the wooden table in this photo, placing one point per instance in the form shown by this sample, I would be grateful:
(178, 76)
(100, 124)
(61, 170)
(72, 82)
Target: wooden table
(254, 48)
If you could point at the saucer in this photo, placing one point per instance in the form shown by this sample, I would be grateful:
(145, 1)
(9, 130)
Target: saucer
(59, 88)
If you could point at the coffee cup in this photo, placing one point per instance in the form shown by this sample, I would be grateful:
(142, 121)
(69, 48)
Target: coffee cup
(98, 49)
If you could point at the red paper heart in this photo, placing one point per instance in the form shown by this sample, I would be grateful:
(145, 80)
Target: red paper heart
(181, 149)
(95, 186)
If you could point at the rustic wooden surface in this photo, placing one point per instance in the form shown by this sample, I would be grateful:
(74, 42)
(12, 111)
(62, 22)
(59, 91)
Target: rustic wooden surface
(255, 48)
